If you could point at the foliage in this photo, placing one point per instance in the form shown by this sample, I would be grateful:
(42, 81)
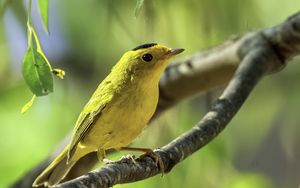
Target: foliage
(262, 139)
(138, 7)
(44, 7)
(36, 69)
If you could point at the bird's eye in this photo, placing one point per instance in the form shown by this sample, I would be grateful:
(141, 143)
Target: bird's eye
(147, 57)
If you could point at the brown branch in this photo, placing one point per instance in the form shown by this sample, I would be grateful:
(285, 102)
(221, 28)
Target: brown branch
(259, 52)
(213, 123)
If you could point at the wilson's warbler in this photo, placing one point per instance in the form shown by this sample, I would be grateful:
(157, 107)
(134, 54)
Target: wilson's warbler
(118, 110)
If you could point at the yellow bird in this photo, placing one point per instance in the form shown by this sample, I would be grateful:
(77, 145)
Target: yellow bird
(118, 110)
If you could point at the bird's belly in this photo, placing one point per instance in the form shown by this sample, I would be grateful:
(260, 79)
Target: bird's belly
(120, 123)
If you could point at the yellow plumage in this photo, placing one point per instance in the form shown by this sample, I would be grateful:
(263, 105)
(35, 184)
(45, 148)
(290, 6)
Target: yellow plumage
(118, 110)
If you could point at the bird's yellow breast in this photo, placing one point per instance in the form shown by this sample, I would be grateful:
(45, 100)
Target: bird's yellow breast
(124, 118)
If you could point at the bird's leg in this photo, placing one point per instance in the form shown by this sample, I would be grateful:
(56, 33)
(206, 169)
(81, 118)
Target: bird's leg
(101, 154)
(147, 152)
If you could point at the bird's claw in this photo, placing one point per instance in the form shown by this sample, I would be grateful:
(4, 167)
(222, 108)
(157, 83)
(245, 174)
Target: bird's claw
(108, 161)
(158, 161)
(124, 159)
(128, 158)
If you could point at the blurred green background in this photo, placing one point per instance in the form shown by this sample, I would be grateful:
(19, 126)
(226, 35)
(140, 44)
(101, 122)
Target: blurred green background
(260, 147)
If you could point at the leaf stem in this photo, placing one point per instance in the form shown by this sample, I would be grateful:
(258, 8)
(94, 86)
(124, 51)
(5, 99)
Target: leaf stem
(36, 39)
(29, 11)
(29, 37)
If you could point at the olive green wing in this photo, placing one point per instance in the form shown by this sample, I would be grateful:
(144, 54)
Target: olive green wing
(85, 123)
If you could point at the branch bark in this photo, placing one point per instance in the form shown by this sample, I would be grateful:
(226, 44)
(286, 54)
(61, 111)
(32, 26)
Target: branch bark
(255, 54)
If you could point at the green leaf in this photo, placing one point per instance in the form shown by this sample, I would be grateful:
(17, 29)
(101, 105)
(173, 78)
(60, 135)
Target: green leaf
(43, 6)
(28, 105)
(37, 73)
(138, 7)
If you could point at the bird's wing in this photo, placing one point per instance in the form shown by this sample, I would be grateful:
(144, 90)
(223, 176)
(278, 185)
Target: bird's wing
(83, 125)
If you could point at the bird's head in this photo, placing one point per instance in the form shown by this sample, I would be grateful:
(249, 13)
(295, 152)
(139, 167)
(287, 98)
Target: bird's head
(148, 59)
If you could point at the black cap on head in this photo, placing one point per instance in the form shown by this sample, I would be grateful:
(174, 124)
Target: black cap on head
(143, 46)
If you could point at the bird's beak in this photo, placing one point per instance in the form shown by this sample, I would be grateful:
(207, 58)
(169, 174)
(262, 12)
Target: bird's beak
(173, 52)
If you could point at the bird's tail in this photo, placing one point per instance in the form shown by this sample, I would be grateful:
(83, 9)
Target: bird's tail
(56, 171)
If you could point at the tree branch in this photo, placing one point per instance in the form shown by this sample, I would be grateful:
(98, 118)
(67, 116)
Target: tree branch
(257, 53)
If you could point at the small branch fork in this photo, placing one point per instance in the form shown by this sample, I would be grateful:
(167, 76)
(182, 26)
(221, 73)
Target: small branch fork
(244, 60)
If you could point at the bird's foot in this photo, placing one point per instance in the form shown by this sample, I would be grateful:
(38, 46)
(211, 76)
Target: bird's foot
(108, 161)
(124, 159)
(148, 153)
(157, 159)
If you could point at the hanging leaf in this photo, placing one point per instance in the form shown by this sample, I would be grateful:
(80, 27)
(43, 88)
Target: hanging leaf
(37, 73)
(138, 7)
(44, 7)
(28, 105)
(36, 69)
